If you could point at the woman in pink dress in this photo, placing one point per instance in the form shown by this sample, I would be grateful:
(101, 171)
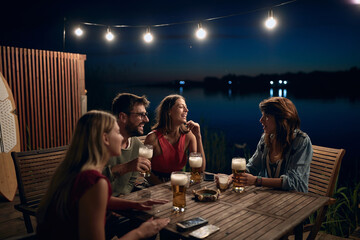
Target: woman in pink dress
(172, 137)
(77, 200)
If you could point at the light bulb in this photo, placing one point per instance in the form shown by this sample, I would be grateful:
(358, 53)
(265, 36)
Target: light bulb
(270, 23)
(200, 33)
(109, 36)
(79, 32)
(148, 37)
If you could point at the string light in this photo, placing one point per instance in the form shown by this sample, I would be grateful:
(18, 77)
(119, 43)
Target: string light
(109, 36)
(271, 22)
(147, 36)
(200, 33)
(78, 31)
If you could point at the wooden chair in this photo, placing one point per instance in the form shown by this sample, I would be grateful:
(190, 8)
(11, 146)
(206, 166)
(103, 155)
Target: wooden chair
(34, 170)
(324, 170)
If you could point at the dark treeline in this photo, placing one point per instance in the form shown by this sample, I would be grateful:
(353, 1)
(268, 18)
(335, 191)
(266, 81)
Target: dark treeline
(314, 84)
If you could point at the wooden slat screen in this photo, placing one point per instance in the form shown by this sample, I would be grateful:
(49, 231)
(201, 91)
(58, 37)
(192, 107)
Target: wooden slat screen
(47, 88)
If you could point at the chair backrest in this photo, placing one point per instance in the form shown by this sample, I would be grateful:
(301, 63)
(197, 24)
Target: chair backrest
(34, 170)
(324, 170)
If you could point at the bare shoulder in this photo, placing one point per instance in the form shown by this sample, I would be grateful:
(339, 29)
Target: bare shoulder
(150, 138)
(96, 193)
(190, 137)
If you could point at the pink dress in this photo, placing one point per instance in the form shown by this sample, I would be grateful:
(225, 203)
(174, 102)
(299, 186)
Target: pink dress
(173, 157)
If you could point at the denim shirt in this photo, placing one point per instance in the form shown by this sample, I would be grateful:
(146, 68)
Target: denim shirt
(295, 175)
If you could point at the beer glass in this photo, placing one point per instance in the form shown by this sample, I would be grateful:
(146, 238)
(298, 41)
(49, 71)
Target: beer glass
(238, 166)
(223, 181)
(179, 181)
(195, 162)
(146, 151)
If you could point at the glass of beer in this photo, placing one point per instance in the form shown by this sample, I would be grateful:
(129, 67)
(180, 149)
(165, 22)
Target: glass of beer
(223, 181)
(238, 166)
(195, 162)
(179, 182)
(146, 151)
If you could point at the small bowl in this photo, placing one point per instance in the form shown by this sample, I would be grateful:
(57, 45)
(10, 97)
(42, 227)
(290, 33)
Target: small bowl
(206, 195)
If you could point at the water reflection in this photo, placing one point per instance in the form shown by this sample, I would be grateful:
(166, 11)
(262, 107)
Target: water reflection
(281, 92)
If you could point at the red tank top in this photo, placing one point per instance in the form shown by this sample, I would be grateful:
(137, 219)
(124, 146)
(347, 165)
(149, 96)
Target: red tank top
(173, 157)
(54, 227)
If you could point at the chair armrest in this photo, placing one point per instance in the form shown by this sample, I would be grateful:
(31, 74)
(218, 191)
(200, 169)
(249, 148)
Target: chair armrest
(25, 209)
(331, 201)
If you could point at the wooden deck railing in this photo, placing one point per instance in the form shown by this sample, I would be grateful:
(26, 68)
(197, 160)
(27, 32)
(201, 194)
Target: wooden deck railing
(49, 93)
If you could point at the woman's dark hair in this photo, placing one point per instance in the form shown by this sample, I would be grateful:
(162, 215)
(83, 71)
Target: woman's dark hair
(286, 118)
(163, 119)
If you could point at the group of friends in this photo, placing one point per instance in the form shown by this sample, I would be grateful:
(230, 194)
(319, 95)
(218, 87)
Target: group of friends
(103, 163)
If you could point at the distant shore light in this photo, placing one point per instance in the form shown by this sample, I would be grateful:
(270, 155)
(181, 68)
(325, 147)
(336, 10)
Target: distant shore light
(79, 32)
(285, 82)
(229, 82)
(271, 82)
(280, 81)
(182, 82)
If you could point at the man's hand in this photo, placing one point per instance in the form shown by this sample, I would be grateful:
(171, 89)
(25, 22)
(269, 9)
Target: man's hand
(139, 164)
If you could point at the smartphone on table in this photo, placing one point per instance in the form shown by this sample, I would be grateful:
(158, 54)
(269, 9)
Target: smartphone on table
(191, 224)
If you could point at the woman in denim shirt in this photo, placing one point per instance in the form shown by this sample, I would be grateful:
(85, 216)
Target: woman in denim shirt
(283, 154)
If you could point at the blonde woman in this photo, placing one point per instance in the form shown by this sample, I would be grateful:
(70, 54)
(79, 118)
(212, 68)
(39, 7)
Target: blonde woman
(78, 197)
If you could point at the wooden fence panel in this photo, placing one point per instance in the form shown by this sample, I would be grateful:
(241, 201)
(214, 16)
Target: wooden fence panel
(48, 87)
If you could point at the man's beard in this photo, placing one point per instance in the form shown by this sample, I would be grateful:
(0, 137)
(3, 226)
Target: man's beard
(133, 131)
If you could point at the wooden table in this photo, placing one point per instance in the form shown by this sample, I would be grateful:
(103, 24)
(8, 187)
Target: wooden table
(258, 213)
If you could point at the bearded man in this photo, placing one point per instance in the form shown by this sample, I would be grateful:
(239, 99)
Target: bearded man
(123, 171)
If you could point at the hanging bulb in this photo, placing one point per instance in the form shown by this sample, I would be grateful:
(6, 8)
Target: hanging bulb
(147, 36)
(109, 36)
(79, 32)
(200, 33)
(270, 22)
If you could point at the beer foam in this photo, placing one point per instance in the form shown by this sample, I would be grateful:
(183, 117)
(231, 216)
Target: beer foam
(146, 153)
(195, 162)
(179, 179)
(223, 180)
(238, 164)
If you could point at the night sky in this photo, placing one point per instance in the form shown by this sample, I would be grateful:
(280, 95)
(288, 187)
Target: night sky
(311, 35)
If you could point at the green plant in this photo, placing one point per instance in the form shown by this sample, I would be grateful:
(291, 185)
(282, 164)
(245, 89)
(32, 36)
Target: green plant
(217, 150)
(343, 216)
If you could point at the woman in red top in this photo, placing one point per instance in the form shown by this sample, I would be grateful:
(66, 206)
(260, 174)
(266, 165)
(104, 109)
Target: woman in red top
(78, 197)
(171, 137)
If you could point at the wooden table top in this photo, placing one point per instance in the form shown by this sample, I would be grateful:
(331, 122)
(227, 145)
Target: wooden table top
(258, 213)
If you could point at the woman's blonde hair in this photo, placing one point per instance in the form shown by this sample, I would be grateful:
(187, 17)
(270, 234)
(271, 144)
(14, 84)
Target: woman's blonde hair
(286, 118)
(87, 149)
(163, 119)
